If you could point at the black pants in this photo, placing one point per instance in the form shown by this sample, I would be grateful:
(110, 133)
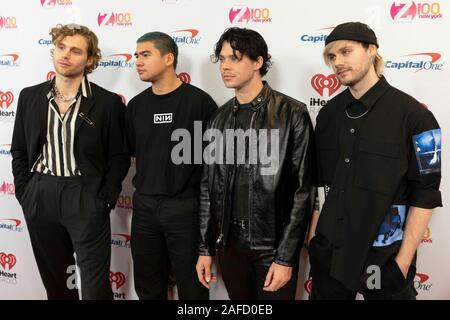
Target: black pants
(244, 270)
(394, 286)
(165, 234)
(64, 217)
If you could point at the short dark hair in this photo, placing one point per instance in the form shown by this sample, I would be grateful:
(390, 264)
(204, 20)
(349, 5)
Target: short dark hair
(163, 42)
(246, 41)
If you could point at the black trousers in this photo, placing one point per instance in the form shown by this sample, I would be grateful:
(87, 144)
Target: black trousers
(165, 235)
(64, 217)
(244, 270)
(393, 284)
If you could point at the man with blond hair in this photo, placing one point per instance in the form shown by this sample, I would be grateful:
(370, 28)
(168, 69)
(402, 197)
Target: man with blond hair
(68, 165)
(379, 171)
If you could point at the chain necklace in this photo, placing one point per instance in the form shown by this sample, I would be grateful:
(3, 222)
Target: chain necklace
(357, 117)
(59, 96)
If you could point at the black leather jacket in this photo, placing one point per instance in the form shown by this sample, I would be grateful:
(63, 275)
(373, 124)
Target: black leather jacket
(280, 204)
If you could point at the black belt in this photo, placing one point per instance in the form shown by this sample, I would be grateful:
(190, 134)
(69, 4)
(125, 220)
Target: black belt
(240, 223)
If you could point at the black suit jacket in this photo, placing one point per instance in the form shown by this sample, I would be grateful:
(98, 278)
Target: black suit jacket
(98, 145)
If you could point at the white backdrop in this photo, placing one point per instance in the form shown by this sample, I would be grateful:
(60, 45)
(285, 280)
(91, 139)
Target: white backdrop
(412, 41)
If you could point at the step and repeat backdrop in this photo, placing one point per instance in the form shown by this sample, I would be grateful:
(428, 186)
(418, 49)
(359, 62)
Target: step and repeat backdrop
(412, 41)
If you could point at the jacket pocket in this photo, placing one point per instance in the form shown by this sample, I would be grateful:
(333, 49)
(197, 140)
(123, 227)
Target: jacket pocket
(378, 164)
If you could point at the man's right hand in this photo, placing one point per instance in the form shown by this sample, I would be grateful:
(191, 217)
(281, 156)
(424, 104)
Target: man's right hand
(203, 268)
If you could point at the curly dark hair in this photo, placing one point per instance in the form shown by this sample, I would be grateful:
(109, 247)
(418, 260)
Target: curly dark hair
(246, 41)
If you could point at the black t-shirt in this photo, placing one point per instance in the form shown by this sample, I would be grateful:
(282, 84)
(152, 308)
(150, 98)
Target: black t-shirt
(241, 170)
(377, 156)
(150, 122)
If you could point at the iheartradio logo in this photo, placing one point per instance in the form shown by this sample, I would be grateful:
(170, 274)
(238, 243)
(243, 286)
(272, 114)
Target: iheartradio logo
(6, 98)
(185, 77)
(308, 286)
(7, 260)
(319, 82)
(118, 278)
(51, 75)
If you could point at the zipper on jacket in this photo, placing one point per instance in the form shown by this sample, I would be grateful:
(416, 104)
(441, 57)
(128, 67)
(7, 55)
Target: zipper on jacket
(250, 177)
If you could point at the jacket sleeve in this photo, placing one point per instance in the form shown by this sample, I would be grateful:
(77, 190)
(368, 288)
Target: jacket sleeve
(206, 242)
(19, 152)
(302, 160)
(118, 160)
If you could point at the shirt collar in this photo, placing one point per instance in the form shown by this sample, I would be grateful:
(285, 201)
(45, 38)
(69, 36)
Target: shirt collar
(84, 90)
(370, 98)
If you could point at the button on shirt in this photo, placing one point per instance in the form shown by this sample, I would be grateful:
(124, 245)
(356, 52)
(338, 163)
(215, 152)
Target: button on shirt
(374, 154)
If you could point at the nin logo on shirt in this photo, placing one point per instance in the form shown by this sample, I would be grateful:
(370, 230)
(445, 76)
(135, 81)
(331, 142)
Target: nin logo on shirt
(162, 118)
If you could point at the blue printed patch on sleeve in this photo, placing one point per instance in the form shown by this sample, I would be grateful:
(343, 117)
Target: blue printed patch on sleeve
(427, 146)
(391, 229)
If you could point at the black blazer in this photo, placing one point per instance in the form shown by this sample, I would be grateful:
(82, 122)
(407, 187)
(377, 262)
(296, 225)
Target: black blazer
(98, 146)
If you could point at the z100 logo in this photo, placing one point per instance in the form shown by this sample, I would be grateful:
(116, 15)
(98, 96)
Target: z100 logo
(8, 23)
(244, 14)
(7, 262)
(124, 202)
(7, 188)
(111, 19)
(13, 225)
(9, 60)
(53, 3)
(406, 11)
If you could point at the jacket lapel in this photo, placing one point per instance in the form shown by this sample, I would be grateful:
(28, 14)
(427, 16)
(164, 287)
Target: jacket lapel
(82, 117)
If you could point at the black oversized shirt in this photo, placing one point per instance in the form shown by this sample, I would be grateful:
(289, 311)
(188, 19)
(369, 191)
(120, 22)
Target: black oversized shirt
(151, 121)
(377, 156)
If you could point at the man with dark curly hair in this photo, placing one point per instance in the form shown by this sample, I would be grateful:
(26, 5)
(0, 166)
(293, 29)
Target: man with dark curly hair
(256, 200)
(68, 165)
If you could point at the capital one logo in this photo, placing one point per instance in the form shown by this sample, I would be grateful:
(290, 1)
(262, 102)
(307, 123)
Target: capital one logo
(5, 150)
(308, 286)
(53, 3)
(421, 282)
(429, 61)
(184, 76)
(185, 36)
(111, 19)
(406, 11)
(7, 261)
(11, 225)
(244, 14)
(118, 278)
(118, 60)
(9, 60)
(8, 23)
(320, 82)
(120, 240)
(6, 99)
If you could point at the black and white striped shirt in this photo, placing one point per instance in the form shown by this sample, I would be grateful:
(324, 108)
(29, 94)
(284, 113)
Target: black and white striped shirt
(57, 157)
